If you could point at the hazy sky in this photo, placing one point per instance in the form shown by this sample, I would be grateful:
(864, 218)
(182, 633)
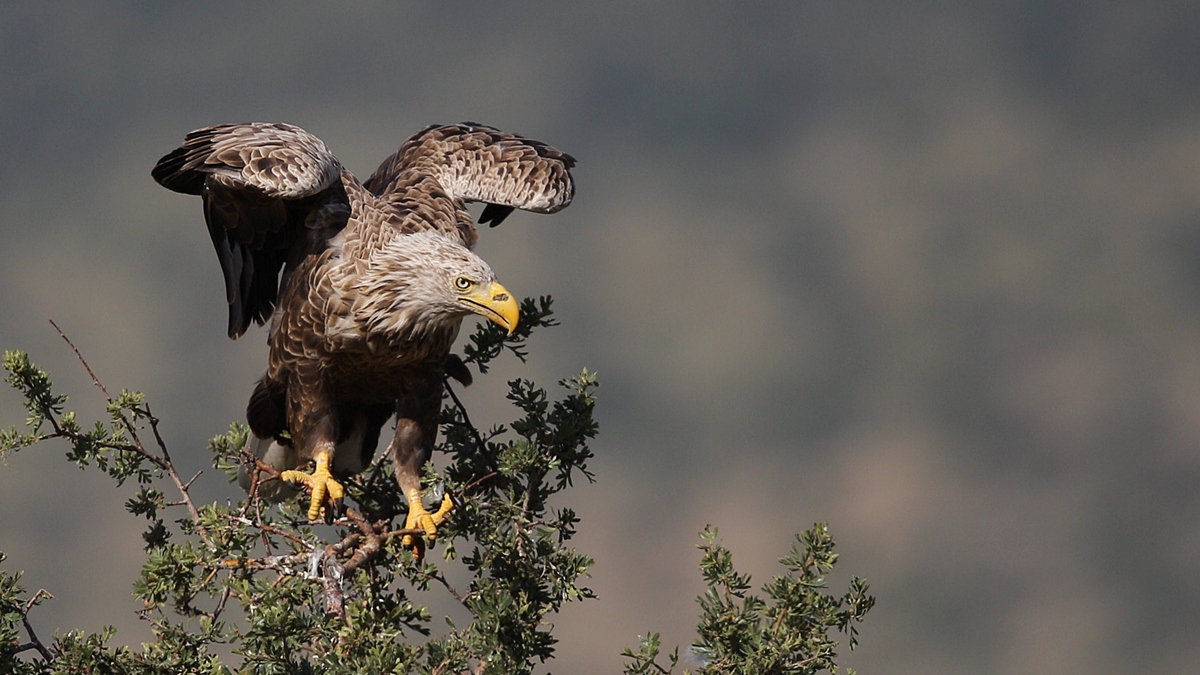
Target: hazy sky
(926, 272)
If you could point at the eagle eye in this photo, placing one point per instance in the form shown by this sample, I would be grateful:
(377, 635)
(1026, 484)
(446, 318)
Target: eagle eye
(463, 283)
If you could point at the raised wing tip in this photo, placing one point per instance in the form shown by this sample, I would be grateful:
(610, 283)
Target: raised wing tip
(169, 173)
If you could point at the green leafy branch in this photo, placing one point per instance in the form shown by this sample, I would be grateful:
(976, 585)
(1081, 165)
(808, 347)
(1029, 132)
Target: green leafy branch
(115, 447)
(289, 596)
(14, 615)
(786, 634)
(342, 604)
(490, 340)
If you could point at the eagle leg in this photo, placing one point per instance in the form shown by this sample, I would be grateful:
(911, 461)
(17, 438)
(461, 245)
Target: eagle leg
(416, 426)
(419, 518)
(322, 483)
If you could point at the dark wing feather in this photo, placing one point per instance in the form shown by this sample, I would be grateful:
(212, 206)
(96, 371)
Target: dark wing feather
(494, 214)
(476, 163)
(272, 192)
(266, 413)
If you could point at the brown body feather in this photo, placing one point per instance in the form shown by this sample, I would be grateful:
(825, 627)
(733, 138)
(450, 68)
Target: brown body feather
(300, 240)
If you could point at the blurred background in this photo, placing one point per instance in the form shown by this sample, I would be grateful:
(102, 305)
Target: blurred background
(928, 272)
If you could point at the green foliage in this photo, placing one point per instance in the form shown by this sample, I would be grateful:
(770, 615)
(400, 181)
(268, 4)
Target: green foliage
(113, 447)
(287, 596)
(490, 340)
(13, 610)
(786, 634)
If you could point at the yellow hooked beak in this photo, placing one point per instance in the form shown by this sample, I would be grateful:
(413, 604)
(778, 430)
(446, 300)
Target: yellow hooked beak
(495, 303)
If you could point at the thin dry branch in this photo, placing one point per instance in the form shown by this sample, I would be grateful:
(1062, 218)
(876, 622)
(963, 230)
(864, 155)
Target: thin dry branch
(34, 642)
(163, 462)
(95, 380)
(267, 527)
(441, 579)
(170, 468)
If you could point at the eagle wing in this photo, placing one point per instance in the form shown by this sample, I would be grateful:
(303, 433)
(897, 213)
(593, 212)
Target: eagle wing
(471, 162)
(272, 194)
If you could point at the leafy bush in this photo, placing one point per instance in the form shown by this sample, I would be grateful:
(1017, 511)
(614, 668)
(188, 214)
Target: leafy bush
(287, 599)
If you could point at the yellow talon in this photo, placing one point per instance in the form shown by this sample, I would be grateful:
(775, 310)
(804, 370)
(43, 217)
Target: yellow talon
(322, 483)
(419, 518)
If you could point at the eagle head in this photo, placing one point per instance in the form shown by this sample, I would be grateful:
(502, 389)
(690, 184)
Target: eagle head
(424, 282)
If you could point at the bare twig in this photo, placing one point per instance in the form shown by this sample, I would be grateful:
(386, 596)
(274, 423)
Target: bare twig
(252, 493)
(348, 544)
(255, 467)
(441, 579)
(262, 467)
(272, 562)
(163, 462)
(478, 481)
(228, 591)
(402, 532)
(377, 468)
(266, 527)
(34, 642)
(527, 502)
(170, 468)
(193, 479)
(535, 479)
(95, 380)
(187, 602)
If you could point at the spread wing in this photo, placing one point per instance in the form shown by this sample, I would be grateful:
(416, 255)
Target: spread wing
(272, 194)
(474, 163)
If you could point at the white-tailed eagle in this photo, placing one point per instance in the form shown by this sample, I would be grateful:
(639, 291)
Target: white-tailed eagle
(365, 284)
